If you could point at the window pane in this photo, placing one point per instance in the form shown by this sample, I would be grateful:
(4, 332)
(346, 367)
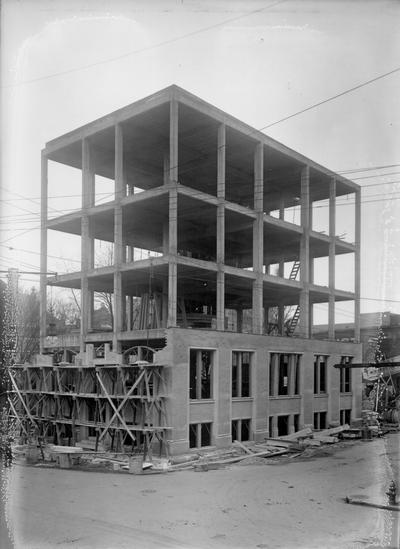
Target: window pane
(316, 375)
(283, 376)
(322, 375)
(193, 436)
(206, 369)
(270, 420)
(234, 430)
(271, 375)
(283, 425)
(245, 431)
(205, 434)
(234, 380)
(297, 375)
(245, 380)
(192, 375)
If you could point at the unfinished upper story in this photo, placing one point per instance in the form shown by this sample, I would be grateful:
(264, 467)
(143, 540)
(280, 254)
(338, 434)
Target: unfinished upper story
(210, 225)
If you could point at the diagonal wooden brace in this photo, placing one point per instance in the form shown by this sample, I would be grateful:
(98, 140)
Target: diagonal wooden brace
(17, 416)
(116, 412)
(21, 398)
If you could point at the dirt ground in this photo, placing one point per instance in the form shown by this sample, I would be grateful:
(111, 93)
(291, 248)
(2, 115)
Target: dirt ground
(286, 503)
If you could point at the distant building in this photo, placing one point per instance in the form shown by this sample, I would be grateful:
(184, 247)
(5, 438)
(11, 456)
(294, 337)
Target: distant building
(370, 324)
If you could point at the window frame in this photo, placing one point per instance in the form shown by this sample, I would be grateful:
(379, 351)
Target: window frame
(293, 374)
(345, 381)
(319, 387)
(237, 378)
(196, 387)
(196, 431)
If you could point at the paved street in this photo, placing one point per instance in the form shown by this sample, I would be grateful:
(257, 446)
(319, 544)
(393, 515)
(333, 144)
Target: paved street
(286, 504)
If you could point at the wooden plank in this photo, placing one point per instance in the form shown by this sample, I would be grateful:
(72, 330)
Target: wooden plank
(299, 434)
(331, 431)
(375, 505)
(325, 439)
(243, 447)
(265, 454)
(281, 443)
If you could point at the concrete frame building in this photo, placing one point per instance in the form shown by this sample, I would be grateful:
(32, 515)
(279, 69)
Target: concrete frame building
(208, 198)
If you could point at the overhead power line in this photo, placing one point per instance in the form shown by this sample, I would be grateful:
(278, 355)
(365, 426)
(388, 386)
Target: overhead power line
(345, 92)
(147, 48)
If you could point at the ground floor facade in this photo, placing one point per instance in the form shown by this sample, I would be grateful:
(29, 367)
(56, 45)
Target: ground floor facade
(227, 386)
(201, 389)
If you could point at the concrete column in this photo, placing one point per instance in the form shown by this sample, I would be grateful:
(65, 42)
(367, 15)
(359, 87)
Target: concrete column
(307, 388)
(274, 427)
(305, 254)
(173, 141)
(281, 319)
(43, 252)
(274, 365)
(258, 239)
(166, 169)
(282, 208)
(291, 424)
(332, 237)
(239, 314)
(164, 313)
(87, 242)
(173, 214)
(221, 227)
(291, 374)
(118, 239)
(357, 266)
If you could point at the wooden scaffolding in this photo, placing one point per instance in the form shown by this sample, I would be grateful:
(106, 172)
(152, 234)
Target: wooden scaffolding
(118, 407)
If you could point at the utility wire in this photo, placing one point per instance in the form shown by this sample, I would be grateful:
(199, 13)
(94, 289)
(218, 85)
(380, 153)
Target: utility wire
(345, 92)
(147, 48)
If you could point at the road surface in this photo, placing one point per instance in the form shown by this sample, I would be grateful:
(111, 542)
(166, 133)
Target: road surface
(286, 504)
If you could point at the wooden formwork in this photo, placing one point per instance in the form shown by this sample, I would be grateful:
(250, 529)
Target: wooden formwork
(120, 406)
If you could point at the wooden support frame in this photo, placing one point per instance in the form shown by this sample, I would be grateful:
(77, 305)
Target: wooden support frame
(127, 400)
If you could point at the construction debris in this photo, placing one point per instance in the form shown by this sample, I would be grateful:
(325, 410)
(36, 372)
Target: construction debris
(244, 452)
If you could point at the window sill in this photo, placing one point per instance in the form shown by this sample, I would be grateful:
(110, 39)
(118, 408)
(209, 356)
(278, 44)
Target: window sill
(245, 399)
(201, 400)
(321, 395)
(278, 397)
(346, 394)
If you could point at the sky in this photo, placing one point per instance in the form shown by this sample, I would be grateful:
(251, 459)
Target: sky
(65, 63)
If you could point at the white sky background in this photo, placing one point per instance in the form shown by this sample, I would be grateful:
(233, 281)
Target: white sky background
(258, 67)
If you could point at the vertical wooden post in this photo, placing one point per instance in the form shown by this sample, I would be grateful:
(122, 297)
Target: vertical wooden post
(43, 251)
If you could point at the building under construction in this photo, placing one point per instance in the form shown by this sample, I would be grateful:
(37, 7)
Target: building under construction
(213, 255)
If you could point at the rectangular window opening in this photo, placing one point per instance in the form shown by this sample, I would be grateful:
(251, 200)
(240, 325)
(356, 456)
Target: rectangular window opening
(200, 374)
(241, 373)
